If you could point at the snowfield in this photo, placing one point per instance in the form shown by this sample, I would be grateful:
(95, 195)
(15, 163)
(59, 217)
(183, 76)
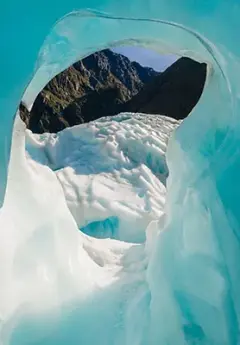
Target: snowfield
(112, 171)
(146, 275)
(59, 285)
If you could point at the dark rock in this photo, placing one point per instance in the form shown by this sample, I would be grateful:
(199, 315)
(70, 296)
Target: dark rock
(104, 70)
(106, 83)
(24, 113)
(174, 93)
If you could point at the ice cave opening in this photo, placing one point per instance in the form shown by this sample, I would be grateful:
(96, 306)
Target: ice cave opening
(113, 171)
(179, 286)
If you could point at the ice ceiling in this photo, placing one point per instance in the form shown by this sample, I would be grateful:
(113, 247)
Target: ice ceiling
(52, 290)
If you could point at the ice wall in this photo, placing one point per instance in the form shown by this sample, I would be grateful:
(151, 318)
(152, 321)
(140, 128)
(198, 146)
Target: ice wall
(191, 294)
(216, 22)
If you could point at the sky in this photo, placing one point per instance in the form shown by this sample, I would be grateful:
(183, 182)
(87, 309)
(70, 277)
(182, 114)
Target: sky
(147, 57)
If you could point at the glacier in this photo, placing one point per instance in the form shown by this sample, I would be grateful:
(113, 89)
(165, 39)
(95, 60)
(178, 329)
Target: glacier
(112, 170)
(179, 282)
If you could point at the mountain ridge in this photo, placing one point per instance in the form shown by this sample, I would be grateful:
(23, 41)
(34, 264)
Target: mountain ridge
(106, 83)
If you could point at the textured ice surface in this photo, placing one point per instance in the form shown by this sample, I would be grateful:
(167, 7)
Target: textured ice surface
(113, 172)
(59, 286)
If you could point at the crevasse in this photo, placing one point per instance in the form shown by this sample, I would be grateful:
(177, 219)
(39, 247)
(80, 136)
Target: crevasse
(59, 286)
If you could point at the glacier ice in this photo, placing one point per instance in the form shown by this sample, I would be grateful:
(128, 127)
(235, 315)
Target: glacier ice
(60, 286)
(112, 171)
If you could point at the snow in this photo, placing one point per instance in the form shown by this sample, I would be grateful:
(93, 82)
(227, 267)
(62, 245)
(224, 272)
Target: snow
(97, 245)
(112, 171)
(74, 282)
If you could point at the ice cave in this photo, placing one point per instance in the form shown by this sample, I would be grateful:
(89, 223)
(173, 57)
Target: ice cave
(165, 272)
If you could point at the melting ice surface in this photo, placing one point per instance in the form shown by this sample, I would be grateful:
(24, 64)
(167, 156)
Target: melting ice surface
(83, 288)
(180, 286)
(113, 172)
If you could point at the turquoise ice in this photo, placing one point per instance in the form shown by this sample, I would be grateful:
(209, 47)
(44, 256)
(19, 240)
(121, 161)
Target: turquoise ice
(59, 286)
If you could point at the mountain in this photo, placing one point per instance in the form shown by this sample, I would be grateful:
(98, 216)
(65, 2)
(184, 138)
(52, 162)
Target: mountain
(106, 83)
(173, 93)
(99, 74)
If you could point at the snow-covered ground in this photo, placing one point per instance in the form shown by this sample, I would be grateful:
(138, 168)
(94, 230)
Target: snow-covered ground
(59, 285)
(107, 178)
(112, 172)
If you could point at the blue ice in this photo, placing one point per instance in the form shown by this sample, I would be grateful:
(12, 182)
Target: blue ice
(59, 286)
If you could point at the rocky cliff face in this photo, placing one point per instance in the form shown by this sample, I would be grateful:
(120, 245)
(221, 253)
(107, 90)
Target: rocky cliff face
(65, 101)
(174, 93)
(106, 83)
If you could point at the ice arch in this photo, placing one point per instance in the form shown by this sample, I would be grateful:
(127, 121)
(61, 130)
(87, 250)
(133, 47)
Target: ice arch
(207, 19)
(192, 288)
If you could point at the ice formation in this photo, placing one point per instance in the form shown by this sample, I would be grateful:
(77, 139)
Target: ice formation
(61, 286)
(113, 172)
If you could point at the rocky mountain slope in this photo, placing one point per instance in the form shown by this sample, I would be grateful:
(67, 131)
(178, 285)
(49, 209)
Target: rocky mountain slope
(92, 77)
(106, 83)
(174, 93)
